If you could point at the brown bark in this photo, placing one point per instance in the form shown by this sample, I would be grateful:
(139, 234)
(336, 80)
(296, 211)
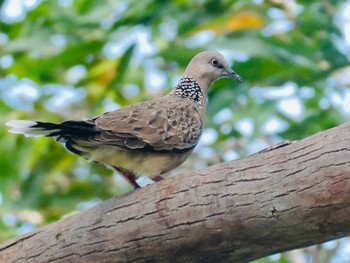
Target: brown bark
(292, 195)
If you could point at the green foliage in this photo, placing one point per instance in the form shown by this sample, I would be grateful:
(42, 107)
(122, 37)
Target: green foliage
(118, 45)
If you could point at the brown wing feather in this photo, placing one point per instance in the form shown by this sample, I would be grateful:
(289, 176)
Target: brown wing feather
(152, 124)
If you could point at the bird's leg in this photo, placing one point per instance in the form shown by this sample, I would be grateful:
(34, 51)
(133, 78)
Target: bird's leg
(157, 178)
(130, 177)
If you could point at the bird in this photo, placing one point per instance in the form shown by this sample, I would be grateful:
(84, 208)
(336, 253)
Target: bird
(147, 138)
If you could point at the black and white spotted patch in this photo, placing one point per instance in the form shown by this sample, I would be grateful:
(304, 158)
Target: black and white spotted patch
(189, 88)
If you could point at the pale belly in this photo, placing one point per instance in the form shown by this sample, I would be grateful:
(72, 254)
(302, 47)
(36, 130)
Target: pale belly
(139, 163)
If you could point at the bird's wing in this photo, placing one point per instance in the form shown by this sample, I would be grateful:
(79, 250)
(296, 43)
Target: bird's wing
(160, 125)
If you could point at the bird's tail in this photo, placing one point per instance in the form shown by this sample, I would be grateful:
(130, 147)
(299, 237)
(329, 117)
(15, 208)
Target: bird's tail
(32, 128)
(70, 133)
(67, 129)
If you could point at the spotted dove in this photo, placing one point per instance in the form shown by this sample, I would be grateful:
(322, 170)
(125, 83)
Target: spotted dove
(143, 139)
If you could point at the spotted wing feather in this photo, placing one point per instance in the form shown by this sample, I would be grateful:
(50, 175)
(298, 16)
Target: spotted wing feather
(152, 125)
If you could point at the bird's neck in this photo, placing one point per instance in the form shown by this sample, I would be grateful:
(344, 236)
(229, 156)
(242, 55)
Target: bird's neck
(188, 88)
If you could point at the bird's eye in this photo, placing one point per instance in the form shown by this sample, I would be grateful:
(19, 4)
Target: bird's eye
(215, 62)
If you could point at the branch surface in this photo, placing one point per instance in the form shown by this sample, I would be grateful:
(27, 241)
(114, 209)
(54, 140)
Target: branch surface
(289, 196)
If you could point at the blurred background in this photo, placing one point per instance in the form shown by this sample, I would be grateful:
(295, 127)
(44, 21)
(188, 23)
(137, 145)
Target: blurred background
(70, 59)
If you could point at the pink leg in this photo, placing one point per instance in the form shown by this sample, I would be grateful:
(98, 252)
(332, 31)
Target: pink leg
(130, 177)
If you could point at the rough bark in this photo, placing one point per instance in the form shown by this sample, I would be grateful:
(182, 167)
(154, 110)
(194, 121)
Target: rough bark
(289, 196)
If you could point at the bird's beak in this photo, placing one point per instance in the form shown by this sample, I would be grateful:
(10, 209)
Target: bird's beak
(228, 72)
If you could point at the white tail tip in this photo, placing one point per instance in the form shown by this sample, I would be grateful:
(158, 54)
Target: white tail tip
(25, 127)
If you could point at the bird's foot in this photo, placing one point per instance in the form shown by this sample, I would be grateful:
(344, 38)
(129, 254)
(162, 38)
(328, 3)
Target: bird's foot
(158, 178)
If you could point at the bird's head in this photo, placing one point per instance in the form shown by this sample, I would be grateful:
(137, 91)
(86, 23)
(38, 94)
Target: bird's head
(209, 66)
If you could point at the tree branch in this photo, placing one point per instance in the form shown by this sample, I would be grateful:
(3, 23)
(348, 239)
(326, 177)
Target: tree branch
(293, 195)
